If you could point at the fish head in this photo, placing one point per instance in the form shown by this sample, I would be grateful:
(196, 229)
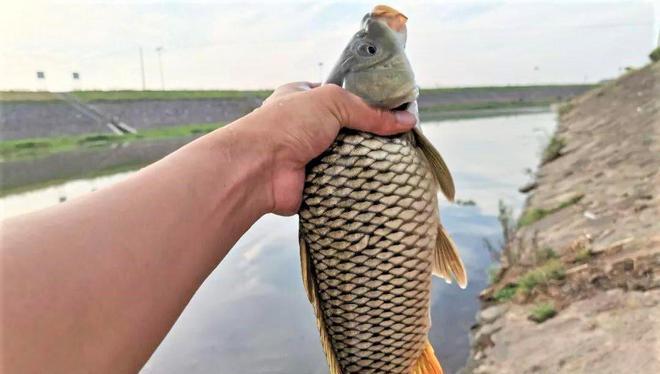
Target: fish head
(374, 65)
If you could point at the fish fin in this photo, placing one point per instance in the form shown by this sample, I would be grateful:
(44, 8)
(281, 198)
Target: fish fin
(310, 287)
(427, 363)
(305, 269)
(446, 260)
(438, 165)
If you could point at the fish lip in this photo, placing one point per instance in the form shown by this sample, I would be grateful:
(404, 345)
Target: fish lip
(402, 108)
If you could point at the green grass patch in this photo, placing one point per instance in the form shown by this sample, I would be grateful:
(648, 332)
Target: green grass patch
(546, 254)
(565, 108)
(168, 95)
(23, 96)
(532, 215)
(542, 312)
(499, 89)
(38, 147)
(553, 150)
(487, 105)
(583, 255)
(494, 273)
(506, 293)
(551, 270)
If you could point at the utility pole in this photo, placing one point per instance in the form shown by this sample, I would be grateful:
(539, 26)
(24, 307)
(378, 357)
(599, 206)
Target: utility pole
(144, 84)
(160, 65)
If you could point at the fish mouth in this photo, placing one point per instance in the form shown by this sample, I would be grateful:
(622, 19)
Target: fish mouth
(410, 107)
(403, 107)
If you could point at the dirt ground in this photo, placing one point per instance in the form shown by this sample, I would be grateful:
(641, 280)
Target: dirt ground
(589, 253)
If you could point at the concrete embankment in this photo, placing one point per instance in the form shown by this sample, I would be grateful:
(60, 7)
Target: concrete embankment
(50, 116)
(579, 286)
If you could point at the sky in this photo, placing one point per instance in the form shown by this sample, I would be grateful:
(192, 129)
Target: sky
(261, 44)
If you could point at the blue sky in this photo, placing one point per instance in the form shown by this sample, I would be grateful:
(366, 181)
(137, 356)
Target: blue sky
(262, 44)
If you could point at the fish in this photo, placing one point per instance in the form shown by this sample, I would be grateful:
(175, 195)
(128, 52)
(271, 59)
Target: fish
(369, 227)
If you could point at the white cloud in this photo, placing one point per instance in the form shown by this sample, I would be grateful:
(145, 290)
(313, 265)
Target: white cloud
(263, 44)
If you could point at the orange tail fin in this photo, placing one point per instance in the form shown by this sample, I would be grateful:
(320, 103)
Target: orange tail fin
(427, 362)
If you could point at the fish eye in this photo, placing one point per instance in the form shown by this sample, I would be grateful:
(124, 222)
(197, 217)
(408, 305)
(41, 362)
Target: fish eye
(367, 50)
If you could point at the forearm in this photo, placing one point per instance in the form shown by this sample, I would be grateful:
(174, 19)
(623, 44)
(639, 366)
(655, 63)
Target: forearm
(96, 283)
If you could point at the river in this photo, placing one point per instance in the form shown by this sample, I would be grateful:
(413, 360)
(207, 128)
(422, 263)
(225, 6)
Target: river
(252, 316)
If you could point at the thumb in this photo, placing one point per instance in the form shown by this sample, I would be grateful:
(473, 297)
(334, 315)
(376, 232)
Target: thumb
(353, 112)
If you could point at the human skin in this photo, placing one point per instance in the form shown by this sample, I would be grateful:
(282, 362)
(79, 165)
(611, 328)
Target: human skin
(95, 284)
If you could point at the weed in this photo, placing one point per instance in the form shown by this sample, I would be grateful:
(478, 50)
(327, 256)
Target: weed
(551, 270)
(542, 312)
(583, 255)
(532, 215)
(505, 294)
(553, 149)
(494, 273)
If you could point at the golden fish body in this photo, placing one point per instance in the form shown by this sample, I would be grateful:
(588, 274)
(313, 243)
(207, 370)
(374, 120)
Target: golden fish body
(369, 224)
(370, 233)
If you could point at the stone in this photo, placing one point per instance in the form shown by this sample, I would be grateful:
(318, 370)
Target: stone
(490, 314)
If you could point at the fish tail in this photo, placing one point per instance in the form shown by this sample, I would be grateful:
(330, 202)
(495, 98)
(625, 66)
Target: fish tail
(427, 363)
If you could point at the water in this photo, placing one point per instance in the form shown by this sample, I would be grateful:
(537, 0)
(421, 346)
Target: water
(252, 316)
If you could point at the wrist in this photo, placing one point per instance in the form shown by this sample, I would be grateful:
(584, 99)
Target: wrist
(242, 145)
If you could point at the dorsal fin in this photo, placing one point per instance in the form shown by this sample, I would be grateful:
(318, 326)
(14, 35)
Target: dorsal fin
(447, 262)
(438, 167)
(310, 287)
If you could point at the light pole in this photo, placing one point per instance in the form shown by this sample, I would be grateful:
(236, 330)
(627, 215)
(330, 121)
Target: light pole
(160, 66)
(144, 85)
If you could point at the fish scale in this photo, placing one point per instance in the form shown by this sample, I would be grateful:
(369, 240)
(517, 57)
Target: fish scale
(369, 218)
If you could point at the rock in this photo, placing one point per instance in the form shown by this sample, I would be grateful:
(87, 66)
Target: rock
(492, 313)
(528, 187)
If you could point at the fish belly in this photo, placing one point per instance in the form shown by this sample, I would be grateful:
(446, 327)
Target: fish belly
(369, 218)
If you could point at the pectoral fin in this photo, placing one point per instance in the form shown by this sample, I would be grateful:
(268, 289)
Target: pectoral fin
(438, 166)
(447, 263)
(310, 287)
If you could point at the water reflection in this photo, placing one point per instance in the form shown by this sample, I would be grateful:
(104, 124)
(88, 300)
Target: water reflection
(252, 316)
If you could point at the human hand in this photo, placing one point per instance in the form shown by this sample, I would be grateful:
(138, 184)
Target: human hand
(300, 120)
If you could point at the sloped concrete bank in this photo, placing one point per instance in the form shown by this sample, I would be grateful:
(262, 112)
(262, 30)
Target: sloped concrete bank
(29, 119)
(579, 286)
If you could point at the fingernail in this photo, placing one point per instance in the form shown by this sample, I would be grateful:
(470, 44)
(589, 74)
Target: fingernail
(405, 118)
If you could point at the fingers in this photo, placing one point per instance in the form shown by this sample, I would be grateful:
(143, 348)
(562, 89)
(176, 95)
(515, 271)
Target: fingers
(351, 111)
(290, 88)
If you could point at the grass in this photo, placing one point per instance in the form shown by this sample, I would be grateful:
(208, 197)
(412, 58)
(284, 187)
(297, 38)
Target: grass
(565, 108)
(506, 293)
(168, 95)
(583, 255)
(124, 95)
(487, 105)
(551, 270)
(25, 148)
(501, 89)
(494, 273)
(553, 150)
(542, 312)
(532, 215)
(21, 96)
(18, 96)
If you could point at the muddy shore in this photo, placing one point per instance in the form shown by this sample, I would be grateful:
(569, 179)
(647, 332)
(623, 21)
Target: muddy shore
(578, 290)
